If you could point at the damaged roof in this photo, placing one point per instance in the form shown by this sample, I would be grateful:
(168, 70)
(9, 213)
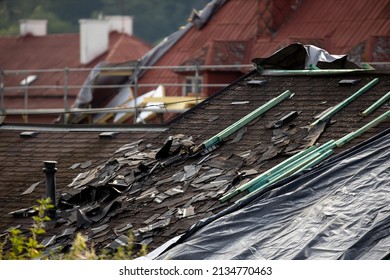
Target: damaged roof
(325, 213)
(160, 183)
(259, 28)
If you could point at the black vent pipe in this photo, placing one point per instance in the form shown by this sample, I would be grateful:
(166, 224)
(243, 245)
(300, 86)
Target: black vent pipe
(50, 170)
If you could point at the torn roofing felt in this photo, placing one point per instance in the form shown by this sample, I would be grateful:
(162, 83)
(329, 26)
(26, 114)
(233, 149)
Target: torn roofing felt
(298, 57)
(97, 77)
(339, 210)
(198, 19)
(87, 95)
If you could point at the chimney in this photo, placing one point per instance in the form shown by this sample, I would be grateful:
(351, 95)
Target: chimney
(121, 24)
(35, 27)
(273, 13)
(94, 38)
(50, 170)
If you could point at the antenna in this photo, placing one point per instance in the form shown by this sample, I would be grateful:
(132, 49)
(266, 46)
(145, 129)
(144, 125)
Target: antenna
(122, 14)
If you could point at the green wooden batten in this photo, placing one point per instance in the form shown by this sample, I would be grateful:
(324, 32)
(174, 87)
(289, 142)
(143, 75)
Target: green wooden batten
(292, 168)
(307, 72)
(347, 138)
(266, 174)
(279, 169)
(314, 157)
(314, 160)
(288, 168)
(345, 102)
(307, 162)
(376, 105)
(245, 120)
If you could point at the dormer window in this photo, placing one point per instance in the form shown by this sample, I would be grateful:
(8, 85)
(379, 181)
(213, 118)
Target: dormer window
(191, 85)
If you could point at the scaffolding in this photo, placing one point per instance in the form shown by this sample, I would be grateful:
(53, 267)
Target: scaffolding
(28, 77)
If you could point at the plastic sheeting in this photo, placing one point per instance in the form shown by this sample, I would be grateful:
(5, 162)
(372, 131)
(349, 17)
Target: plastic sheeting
(200, 19)
(299, 57)
(97, 97)
(151, 57)
(86, 96)
(339, 210)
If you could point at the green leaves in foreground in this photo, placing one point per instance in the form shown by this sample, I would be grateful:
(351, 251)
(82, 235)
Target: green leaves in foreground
(17, 246)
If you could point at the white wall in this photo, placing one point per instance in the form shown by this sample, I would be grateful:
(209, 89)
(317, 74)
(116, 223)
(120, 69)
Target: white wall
(94, 39)
(122, 24)
(35, 27)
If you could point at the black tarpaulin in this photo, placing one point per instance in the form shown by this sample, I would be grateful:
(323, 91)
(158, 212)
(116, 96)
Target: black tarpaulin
(298, 57)
(339, 210)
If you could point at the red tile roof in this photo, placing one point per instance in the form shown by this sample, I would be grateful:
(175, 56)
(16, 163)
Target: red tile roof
(343, 23)
(337, 26)
(57, 51)
(220, 53)
(125, 48)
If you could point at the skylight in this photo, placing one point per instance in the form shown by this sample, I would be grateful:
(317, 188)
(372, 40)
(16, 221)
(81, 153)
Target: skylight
(28, 80)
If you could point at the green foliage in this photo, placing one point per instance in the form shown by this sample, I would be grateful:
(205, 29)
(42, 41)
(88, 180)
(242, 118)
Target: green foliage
(16, 246)
(80, 251)
(153, 19)
(23, 247)
(55, 24)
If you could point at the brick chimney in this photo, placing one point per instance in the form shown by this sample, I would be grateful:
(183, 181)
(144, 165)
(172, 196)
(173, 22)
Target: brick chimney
(35, 27)
(272, 14)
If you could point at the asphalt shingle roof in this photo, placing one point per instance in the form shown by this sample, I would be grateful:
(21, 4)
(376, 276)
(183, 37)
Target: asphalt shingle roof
(138, 181)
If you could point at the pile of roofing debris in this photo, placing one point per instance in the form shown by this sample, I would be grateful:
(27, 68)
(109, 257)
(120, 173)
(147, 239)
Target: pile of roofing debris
(339, 210)
(132, 178)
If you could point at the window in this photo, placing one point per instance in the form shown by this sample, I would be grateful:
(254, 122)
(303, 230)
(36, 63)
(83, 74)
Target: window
(191, 85)
(28, 80)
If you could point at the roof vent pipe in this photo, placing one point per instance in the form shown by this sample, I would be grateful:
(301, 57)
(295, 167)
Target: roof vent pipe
(50, 170)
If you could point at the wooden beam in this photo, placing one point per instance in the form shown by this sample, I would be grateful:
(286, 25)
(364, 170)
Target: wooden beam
(172, 99)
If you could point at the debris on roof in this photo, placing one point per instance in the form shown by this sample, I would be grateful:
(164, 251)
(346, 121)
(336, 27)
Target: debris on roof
(28, 134)
(158, 185)
(326, 213)
(298, 57)
(31, 188)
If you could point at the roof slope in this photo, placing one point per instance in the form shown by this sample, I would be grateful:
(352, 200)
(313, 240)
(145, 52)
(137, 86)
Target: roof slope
(56, 52)
(327, 213)
(339, 27)
(159, 190)
(75, 150)
(336, 26)
(124, 47)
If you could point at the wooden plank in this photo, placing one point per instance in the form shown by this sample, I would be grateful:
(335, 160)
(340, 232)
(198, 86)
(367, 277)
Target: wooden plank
(172, 99)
